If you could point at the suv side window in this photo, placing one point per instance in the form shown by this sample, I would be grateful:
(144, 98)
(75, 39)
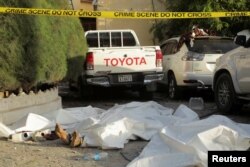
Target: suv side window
(128, 39)
(92, 39)
(163, 49)
(104, 39)
(170, 47)
(174, 48)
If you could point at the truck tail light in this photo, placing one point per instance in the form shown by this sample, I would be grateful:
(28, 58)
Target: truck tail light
(89, 64)
(159, 57)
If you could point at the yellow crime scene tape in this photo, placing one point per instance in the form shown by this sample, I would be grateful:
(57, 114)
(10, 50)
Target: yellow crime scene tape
(122, 14)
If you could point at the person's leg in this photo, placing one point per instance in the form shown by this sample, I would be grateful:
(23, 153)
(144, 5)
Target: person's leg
(62, 134)
(76, 139)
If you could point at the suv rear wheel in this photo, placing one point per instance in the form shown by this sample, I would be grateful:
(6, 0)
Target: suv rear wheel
(225, 97)
(173, 89)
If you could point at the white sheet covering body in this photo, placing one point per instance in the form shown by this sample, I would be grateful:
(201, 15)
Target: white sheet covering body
(178, 138)
(188, 144)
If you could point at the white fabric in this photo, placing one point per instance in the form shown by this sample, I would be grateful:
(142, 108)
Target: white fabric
(123, 122)
(178, 138)
(187, 144)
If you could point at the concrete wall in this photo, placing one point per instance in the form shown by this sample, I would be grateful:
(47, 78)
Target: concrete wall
(15, 107)
(81, 4)
(140, 26)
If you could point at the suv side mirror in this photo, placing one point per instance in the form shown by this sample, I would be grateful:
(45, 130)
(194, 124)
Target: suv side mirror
(240, 40)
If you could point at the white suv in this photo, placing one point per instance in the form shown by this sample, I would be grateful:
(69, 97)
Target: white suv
(231, 81)
(191, 65)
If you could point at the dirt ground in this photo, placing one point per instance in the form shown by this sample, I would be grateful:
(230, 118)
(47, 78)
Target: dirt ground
(55, 154)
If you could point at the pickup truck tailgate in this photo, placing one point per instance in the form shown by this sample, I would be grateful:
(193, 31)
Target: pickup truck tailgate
(124, 60)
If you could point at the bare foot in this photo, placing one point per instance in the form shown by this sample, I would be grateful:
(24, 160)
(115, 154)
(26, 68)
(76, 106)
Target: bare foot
(76, 139)
(62, 134)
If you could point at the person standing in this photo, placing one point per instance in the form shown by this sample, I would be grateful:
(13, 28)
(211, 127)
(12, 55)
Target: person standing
(196, 31)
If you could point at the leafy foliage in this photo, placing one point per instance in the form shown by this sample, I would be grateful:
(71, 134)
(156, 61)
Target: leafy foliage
(35, 49)
(223, 26)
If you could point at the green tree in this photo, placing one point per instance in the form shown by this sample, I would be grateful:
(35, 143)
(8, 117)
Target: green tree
(35, 49)
(11, 50)
(223, 26)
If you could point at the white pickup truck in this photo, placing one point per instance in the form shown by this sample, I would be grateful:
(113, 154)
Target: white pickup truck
(116, 59)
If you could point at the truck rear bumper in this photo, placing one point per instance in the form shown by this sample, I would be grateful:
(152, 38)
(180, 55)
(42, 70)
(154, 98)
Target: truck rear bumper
(101, 81)
(136, 79)
(153, 78)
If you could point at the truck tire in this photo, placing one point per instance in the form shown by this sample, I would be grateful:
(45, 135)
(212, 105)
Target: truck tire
(224, 94)
(173, 89)
(72, 86)
(85, 91)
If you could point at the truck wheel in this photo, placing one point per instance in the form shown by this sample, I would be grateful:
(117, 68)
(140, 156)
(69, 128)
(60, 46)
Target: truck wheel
(173, 89)
(72, 86)
(85, 91)
(224, 94)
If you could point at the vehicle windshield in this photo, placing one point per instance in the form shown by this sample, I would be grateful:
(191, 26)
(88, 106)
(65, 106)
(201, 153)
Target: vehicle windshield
(212, 46)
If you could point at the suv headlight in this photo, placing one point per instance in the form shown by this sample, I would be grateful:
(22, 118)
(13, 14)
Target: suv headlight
(192, 56)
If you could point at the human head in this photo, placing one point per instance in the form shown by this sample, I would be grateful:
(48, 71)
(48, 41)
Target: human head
(195, 29)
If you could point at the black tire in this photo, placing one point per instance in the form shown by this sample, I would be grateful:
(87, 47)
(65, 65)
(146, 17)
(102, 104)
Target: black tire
(72, 86)
(84, 91)
(173, 89)
(224, 94)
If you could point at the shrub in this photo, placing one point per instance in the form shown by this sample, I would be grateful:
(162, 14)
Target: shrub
(34, 50)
